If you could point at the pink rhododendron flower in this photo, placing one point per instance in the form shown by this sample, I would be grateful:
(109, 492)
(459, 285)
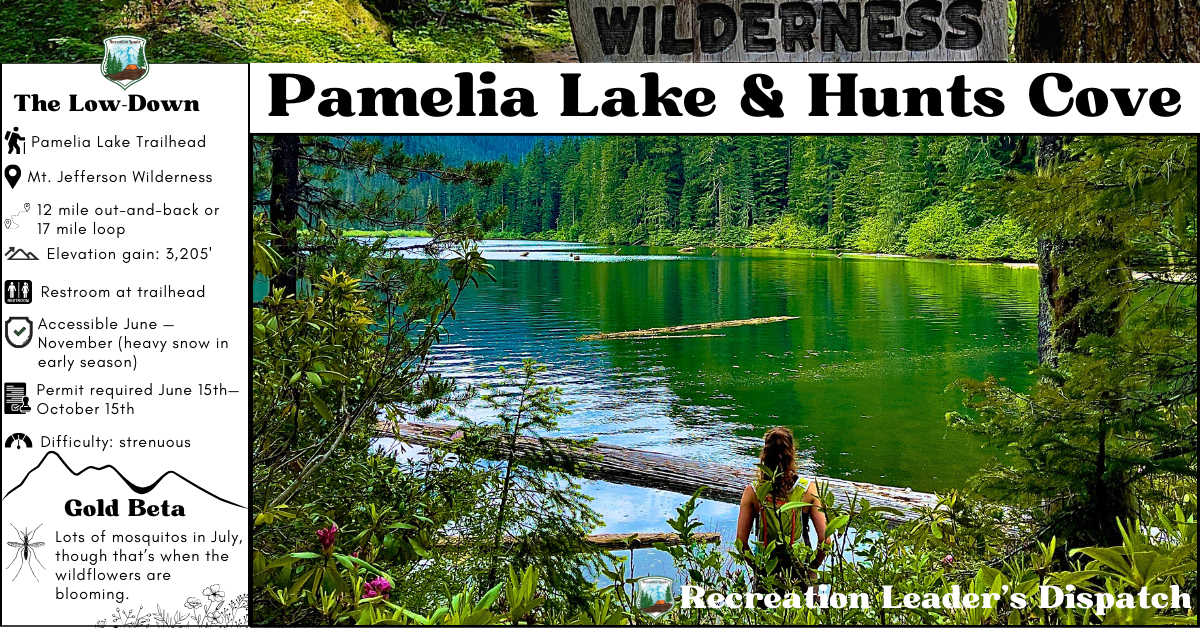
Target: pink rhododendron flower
(377, 587)
(327, 536)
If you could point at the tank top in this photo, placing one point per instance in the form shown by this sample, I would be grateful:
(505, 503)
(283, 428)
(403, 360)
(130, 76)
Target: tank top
(784, 527)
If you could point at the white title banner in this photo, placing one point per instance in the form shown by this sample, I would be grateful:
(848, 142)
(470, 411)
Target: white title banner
(726, 98)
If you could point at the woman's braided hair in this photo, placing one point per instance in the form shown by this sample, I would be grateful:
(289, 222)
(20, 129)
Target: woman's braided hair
(779, 455)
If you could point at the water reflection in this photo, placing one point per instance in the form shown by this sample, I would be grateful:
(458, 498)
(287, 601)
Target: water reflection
(860, 375)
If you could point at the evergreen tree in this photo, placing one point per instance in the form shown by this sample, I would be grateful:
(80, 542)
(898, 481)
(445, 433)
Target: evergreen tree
(864, 193)
(298, 181)
(112, 63)
(1110, 429)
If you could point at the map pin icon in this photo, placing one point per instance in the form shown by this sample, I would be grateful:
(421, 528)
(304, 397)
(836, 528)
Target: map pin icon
(13, 174)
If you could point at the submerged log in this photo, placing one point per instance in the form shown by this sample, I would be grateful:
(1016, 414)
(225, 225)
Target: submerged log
(648, 539)
(621, 465)
(658, 331)
(634, 540)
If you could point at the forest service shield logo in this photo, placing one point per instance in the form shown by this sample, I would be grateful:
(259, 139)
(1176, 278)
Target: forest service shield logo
(655, 595)
(124, 60)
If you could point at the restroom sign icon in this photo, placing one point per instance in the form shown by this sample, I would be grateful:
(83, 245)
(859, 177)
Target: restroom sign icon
(18, 292)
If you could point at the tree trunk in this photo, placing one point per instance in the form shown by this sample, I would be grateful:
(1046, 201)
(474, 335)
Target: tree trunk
(1049, 152)
(285, 207)
(1107, 31)
(509, 462)
(1047, 285)
(1093, 31)
(1060, 327)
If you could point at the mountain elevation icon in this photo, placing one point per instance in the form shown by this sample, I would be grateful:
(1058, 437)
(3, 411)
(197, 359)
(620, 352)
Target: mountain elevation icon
(140, 490)
(13, 254)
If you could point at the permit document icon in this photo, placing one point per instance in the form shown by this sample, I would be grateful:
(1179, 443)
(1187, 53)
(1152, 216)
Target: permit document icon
(124, 60)
(655, 595)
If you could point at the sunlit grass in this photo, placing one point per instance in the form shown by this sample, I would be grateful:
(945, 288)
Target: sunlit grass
(231, 31)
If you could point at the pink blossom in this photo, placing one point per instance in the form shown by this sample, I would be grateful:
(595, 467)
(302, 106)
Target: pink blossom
(948, 560)
(377, 587)
(457, 435)
(327, 536)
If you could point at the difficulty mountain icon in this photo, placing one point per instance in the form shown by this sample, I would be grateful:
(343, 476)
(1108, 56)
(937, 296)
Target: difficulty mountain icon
(140, 490)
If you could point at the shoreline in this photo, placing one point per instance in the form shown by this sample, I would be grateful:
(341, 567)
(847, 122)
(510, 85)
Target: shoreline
(847, 252)
(402, 233)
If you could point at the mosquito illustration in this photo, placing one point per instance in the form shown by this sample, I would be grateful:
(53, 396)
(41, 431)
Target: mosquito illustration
(26, 551)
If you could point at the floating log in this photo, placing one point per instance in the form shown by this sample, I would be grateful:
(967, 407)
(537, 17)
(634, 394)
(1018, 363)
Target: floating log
(658, 331)
(685, 336)
(648, 539)
(621, 465)
(634, 540)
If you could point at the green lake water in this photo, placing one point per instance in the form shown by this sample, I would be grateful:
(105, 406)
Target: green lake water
(860, 375)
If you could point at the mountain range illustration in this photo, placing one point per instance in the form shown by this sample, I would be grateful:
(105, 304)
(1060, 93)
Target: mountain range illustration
(15, 254)
(140, 490)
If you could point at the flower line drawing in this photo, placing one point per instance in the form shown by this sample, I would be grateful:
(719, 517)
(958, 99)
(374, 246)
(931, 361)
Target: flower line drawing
(208, 609)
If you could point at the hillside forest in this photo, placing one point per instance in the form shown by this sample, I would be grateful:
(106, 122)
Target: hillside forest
(924, 196)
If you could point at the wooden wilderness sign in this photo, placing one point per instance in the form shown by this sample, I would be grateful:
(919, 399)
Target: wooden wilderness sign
(691, 31)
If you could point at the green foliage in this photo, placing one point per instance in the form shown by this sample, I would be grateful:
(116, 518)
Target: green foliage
(386, 233)
(999, 238)
(486, 532)
(536, 515)
(937, 232)
(277, 31)
(332, 362)
(866, 193)
(37, 31)
(1109, 432)
(944, 547)
(343, 354)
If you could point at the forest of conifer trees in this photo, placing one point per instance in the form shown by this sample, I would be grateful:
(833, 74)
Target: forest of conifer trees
(925, 196)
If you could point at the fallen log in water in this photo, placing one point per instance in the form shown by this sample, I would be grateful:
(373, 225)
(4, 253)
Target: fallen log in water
(658, 331)
(634, 540)
(621, 465)
(648, 539)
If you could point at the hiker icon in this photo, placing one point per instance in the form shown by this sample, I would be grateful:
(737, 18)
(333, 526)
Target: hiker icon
(16, 141)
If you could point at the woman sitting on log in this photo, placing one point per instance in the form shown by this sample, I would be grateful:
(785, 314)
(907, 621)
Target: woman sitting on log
(778, 484)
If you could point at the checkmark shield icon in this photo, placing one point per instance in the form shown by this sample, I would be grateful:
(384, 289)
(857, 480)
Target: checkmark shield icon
(18, 331)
